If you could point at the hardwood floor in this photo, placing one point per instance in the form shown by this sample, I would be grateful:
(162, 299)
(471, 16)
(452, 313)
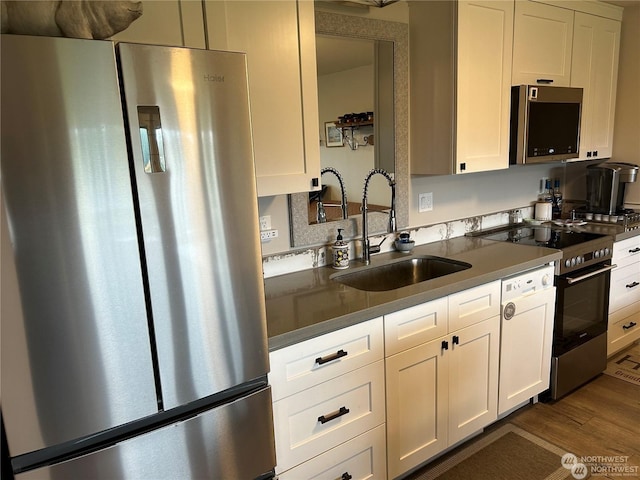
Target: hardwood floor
(602, 418)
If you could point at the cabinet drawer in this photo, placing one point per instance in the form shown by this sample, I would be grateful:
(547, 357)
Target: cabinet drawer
(348, 406)
(474, 305)
(305, 364)
(625, 287)
(360, 458)
(622, 331)
(415, 325)
(626, 252)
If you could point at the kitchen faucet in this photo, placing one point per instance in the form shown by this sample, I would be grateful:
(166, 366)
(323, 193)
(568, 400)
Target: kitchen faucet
(367, 249)
(322, 215)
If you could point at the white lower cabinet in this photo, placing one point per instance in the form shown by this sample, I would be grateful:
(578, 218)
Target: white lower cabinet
(624, 296)
(329, 405)
(362, 457)
(441, 391)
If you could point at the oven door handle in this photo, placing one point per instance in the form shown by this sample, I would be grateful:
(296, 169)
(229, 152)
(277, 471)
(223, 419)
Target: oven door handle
(571, 280)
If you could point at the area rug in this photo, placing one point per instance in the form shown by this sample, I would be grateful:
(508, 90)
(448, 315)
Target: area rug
(626, 365)
(507, 453)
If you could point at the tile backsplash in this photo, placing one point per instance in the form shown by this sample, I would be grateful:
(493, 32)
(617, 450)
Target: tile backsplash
(313, 257)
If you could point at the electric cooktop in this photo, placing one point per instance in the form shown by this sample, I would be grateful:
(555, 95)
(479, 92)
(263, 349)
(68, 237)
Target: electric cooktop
(579, 248)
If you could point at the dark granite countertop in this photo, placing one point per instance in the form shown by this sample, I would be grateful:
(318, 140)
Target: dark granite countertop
(305, 304)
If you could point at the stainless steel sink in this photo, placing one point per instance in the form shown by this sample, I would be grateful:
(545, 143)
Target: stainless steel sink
(400, 273)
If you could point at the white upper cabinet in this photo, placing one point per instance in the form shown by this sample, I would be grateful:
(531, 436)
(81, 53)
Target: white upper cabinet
(594, 67)
(460, 91)
(279, 39)
(542, 44)
(485, 33)
(170, 22)
(555, 45)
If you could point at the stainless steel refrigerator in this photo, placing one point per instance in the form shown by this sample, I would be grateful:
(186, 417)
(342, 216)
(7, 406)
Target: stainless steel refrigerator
(133, 320)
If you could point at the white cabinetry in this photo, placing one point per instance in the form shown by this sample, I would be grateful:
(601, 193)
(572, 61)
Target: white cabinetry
(624, 295)
(279, 39)
(542, 43)
(528, 311)
(170, 22)
(441, 388)
(596, 47)
(460, 91)
(553, 44)
(328, 391)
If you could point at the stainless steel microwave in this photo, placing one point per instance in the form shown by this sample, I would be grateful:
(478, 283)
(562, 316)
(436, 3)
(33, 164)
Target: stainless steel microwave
(545, 124)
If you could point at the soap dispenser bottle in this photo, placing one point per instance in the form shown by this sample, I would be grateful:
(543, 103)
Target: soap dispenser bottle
(340, 252)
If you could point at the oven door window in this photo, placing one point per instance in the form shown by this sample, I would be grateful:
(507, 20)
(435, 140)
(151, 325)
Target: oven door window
(581, 308)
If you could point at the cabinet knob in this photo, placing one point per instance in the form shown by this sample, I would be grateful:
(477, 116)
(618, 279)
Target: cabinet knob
(456, 340)
(445, 345)
(346, 476)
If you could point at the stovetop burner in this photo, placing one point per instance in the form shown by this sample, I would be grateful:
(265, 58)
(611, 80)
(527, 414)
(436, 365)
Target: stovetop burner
(543, 236)
(579, 248)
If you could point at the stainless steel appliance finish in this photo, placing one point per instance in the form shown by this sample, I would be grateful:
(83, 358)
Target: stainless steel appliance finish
(545, 123)
(185, 450)
(199, 218)
(133, 312)
(578, 366)
(606, 184)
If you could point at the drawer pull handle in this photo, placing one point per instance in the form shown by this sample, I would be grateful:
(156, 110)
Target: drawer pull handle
(346, 476)
(634, 250)
(332, 416)
(634, 284)
(631, 325)
(329, 358)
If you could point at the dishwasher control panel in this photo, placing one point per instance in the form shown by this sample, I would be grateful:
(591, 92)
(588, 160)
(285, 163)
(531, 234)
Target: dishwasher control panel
(527, 283)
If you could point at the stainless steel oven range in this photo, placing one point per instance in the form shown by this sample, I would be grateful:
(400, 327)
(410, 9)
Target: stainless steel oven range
(582, 278)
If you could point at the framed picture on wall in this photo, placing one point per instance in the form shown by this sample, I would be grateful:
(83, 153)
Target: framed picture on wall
(333, 135)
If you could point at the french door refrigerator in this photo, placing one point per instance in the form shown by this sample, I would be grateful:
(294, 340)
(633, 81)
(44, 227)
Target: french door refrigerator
(133, 320)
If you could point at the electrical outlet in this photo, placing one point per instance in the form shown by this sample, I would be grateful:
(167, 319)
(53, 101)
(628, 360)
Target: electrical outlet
(265, 223)
(267, 235)
(425, 202)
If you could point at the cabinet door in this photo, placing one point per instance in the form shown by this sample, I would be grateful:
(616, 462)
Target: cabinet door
(362, 458)
(542, 43)
(624, 328)
(170, 22)
(315, 420)
(417, 385)
(474, 305)
(416, 325)
(305, 364)
(596, 47)
(473, 378)
(625, 287)
(525, 349)
(279, 39)
(485, 39)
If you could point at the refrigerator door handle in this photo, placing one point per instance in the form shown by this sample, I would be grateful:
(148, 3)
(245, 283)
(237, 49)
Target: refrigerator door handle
(150, 129)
